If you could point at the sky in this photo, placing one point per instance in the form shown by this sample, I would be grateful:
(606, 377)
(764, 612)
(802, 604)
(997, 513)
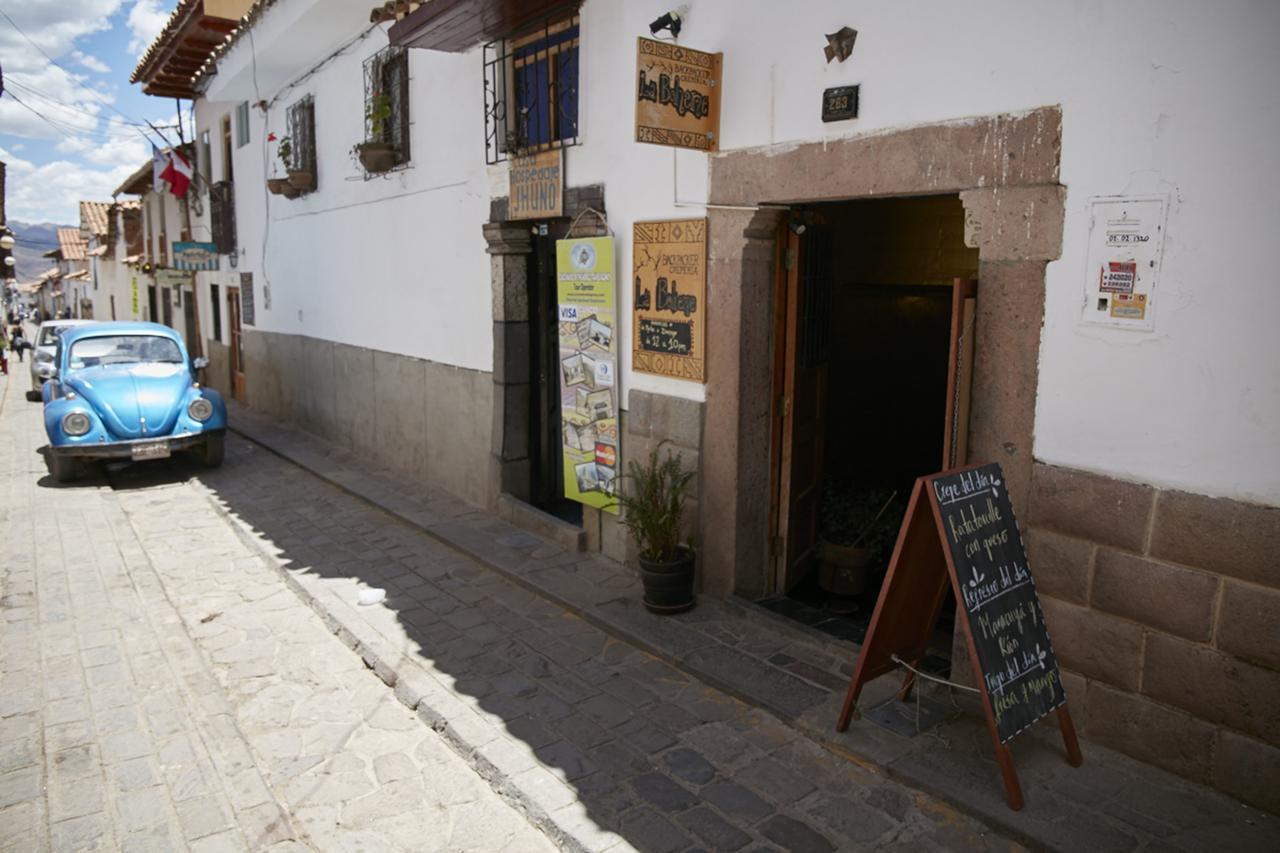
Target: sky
(84, 142)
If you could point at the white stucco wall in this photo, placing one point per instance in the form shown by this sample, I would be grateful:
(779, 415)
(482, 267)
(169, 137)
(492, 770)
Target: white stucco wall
(1164, 97)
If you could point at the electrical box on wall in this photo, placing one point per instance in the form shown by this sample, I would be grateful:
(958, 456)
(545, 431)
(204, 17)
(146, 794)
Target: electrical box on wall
(1126, 240)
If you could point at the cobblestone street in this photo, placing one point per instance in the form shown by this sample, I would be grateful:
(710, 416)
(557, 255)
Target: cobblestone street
(161, 689)
(164, 688)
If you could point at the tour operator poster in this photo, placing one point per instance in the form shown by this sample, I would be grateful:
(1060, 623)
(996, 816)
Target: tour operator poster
(588, 370)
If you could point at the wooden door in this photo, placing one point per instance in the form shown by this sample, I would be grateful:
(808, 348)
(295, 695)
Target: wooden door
(237, 348)
(964, 312)
(802, 405)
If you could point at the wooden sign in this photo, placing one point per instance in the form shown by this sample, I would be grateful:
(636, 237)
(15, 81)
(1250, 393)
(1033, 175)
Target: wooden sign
(669, 278)
(537, 186)
(677, 96)
(960, 530)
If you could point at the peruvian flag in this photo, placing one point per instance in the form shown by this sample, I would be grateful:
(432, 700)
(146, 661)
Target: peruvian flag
(177, 174)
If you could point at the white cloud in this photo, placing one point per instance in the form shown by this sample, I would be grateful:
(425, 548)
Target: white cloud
(146, 19)
(90, 62)
(52, 192)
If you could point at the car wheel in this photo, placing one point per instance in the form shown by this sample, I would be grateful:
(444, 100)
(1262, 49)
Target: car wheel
(33, 397)
(63, 468)
(212, 452)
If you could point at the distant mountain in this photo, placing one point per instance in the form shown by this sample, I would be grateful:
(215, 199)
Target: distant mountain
(34, 239)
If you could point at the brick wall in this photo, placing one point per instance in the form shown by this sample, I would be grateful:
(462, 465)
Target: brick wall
(1164, 609)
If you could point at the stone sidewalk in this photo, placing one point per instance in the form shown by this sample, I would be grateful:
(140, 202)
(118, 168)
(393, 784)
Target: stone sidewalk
(162, 689)
(604, 676)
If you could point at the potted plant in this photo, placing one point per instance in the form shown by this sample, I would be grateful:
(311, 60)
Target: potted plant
(375, 154)
(653, 509)
(279, 186)
(857, 530)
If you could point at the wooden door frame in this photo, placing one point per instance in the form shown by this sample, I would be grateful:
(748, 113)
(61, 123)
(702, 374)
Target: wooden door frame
(236, 333)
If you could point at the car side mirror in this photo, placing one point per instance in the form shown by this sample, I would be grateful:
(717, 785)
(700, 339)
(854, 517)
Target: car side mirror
(199, 363)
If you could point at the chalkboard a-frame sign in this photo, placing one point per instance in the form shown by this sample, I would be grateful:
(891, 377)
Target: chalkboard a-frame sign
(959, 530)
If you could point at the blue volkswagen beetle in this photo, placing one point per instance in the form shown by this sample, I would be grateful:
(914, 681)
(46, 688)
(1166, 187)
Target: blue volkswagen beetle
(127, 391)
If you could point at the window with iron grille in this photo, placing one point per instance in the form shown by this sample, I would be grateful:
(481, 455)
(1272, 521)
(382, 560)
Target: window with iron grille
(386, 100)
(531, 90)
(302, 137)
(222, 215)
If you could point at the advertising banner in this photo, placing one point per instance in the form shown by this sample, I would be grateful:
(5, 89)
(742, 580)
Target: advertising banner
(195, 256)
(588, 369)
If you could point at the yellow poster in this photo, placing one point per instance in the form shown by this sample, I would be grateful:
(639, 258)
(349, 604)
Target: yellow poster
(134, 290)
(669, 273)
(588, 369)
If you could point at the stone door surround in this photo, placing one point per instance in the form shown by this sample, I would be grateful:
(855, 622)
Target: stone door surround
(1005, 169)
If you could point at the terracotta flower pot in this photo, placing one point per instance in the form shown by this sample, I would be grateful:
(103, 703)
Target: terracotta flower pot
(302, 180)
(844, 570)
(668, 586)
(377, 156)
(276, 186)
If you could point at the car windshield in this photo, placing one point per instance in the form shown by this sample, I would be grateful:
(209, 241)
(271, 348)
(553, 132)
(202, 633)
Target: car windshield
(49, 335)
(124, 349)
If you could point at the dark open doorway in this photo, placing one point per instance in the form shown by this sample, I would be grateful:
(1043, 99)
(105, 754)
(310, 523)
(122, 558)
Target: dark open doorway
(546, 442)
(866, 385)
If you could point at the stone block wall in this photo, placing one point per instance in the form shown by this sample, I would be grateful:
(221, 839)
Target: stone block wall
(424, 418)
(650, 420)
(1164, 608)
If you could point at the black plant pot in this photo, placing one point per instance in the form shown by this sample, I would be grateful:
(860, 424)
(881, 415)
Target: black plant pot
(668, 586)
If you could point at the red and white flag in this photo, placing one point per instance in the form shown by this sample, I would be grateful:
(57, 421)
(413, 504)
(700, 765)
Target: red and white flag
(177, 174)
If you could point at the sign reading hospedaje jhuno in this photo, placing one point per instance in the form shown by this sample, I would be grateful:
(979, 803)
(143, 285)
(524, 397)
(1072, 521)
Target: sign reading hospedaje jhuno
(588, 320)
(669, 274)
(677, 96)
(536, 182)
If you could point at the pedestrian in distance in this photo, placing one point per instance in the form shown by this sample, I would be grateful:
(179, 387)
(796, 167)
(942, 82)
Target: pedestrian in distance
(4, 356)
(18, 340)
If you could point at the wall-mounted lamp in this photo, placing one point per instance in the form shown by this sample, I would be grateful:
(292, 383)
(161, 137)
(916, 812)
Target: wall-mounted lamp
(6, 242)
(672, 21)
(797, 225)
(10, 262)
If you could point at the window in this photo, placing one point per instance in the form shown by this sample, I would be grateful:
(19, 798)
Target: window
(205, 168)
(386, 100)
(242, 124)
(302, 137)
(226, 148)
(222, 217)
(531, 90)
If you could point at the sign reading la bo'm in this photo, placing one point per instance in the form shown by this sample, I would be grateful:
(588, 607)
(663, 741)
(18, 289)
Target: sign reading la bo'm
(537, 183)
(677, 96)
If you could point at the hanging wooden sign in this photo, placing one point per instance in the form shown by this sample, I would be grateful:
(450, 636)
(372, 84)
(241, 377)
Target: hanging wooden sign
(960, 530)
(669, 279)
(677, 95)
(536, 183)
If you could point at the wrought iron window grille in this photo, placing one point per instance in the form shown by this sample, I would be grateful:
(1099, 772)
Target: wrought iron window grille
(386, 103)
(531, 89)
(301, 118)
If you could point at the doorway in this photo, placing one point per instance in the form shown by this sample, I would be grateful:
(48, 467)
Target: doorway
(546, 438)
(237, 346)
(868, 394)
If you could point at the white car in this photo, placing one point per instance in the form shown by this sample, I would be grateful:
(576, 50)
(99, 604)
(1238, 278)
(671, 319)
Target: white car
(42, 356)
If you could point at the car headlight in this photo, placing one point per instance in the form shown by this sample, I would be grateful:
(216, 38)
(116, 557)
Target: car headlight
(76, 423)
(200, 409)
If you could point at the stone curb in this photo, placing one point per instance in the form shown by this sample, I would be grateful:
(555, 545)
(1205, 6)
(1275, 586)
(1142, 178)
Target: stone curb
(511, 771)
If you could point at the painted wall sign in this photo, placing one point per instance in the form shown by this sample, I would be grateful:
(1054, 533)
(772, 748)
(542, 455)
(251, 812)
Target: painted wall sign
(840, 103)
(172, 278)
(195, 256)
(247, 310)
(677, 95)
(1126, 241)
(536, 186)
(133, 293)
(588, 369)
(669, 275)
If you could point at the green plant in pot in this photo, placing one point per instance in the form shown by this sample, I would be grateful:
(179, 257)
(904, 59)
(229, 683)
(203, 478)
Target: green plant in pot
(858, 530)
(281, 186)
(653, 512)
(375, 153)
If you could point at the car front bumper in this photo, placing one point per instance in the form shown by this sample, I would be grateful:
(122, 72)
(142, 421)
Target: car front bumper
(125, 449)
